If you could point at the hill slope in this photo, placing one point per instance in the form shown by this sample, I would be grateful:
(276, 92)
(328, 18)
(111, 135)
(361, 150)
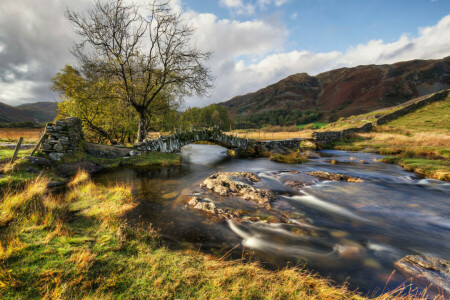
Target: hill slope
(41, 111)
(29, 112)
(347, 91)
(10, 114)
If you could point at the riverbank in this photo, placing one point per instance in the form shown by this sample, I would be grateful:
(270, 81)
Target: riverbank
(418, 141)
(17, 175)
(79, 244)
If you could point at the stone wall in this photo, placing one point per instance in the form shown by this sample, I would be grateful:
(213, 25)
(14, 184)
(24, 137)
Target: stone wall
(62, 137)
(328, 137)
(412, 107)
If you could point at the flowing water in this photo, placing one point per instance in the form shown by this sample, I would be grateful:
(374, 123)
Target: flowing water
(360, 229)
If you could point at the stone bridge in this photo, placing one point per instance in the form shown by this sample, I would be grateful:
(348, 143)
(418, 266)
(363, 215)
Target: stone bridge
(241, 146)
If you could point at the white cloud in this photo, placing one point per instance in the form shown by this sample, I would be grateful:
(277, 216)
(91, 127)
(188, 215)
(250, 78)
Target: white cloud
(231, 3)
(239, 7)
(243, 77)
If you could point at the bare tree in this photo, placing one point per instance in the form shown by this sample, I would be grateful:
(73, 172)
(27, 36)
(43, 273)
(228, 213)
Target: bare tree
(143, 50)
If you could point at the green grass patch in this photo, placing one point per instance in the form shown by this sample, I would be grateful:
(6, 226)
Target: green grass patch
(146, 159)
(313, 125)
(7, 154)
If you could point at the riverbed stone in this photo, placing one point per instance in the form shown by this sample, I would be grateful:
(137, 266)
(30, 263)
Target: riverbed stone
(334, 176)
(239, 184)
(427, 271)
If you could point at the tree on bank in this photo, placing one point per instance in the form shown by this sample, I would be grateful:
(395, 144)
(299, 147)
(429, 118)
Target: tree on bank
(142, 52)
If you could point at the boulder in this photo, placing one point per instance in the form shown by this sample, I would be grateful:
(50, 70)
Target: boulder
(69, 169)
(239, 184)
(334, 176)
(427, 272)
(208, 206)
(38, 161)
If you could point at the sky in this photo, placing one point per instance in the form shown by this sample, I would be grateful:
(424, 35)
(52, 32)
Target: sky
(255, 42)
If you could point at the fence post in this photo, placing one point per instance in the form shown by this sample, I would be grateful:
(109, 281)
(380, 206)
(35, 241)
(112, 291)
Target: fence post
(17, 150)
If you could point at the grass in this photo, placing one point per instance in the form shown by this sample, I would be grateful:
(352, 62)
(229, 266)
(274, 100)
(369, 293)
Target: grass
(6, 154)
(79, 245)
(11, 135)
(420, 141)
(264, 136)
(313, 125)
(146, 159)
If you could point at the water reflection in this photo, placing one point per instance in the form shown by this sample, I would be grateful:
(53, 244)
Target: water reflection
(360, 229)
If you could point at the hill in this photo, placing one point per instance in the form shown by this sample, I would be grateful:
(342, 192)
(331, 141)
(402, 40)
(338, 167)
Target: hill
(30, 112)
(11, 114)
(41, 111)
(343, 92)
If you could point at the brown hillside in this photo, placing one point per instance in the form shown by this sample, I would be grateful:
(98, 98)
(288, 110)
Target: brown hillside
(348, 91)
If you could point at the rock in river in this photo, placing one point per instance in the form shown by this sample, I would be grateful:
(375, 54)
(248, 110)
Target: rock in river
(333, 176)
(426, 271)
(239, 184)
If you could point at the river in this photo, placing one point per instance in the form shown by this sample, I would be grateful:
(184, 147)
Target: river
(360, 229)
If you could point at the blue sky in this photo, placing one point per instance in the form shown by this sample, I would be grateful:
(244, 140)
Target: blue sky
(255, 42)
(328, 25)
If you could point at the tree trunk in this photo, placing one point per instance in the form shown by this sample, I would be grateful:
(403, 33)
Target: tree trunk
(142, 126)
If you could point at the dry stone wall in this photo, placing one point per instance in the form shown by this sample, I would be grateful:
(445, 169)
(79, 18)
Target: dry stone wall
(328, 137)
(62, 137)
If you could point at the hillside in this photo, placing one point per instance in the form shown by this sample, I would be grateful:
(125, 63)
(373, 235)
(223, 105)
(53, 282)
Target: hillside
(347, 91)
(41, 111)
(10, 114)
(30, 112)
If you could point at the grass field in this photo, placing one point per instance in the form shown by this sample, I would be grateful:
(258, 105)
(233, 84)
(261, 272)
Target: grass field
(79, 245)
(420, 141)
(264, 136)
(30, 135)
(313, 125)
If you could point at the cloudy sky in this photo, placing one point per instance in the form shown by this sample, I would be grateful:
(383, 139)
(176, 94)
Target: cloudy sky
(256, 42)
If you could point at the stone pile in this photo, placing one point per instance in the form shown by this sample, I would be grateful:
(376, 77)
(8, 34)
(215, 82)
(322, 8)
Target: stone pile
(62, 137)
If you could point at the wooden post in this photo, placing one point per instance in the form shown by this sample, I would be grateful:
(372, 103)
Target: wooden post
(17, 150)
(38, 144)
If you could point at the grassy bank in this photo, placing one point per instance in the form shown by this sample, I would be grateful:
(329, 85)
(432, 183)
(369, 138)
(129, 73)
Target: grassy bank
(419, 141)
(79, 245)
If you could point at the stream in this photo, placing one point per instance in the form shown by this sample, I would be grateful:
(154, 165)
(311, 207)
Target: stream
(360, 229)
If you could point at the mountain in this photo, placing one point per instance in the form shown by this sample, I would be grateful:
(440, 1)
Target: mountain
(11, 114)
(30, 112)
(346, 91)
(41, 111)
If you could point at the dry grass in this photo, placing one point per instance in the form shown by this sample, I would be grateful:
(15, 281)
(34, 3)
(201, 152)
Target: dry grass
(264, 136)
(30, 135)
(415, 139)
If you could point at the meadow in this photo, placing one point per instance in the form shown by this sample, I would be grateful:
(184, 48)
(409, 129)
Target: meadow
(12, 135)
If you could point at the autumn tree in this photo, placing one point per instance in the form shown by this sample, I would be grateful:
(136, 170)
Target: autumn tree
(144, 50)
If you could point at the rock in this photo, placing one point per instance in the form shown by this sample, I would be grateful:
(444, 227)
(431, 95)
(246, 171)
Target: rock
(56, 156)
(53, 184)
(427, 271)
(69, 169)
(105, 151)
(59, 147)
(32, 170)
(295, 184)
(210, 207)
(38, 161)
(310, 155)
(239, 184)
(334, 176)
(135, 153)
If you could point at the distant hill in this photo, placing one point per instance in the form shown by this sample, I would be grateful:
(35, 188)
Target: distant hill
(41, 111)
(346, 91)
(30, 112)
(11, 114)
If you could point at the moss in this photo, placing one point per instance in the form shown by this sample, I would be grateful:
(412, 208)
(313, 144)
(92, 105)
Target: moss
(290, 158)
(147, 159)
